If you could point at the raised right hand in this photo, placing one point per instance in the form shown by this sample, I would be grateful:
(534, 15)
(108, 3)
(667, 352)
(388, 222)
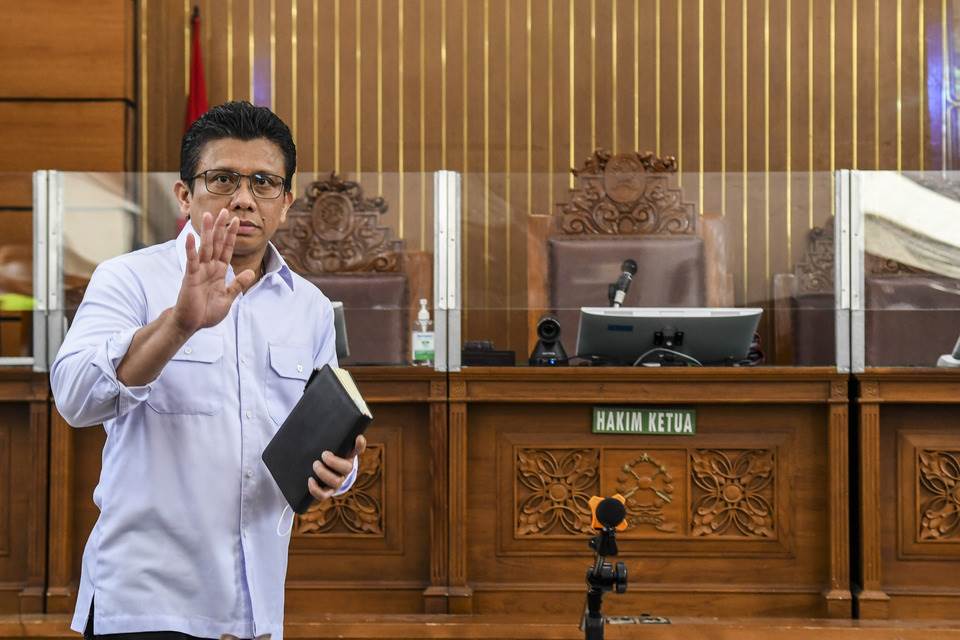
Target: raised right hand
(205, 297)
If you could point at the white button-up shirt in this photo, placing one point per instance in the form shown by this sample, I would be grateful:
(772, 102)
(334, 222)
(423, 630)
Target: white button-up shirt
(187, 535)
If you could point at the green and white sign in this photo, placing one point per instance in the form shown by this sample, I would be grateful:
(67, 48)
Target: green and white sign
(659, 421)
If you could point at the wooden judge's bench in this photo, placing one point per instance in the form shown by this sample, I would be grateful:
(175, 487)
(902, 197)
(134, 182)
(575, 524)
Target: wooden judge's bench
(798, 493)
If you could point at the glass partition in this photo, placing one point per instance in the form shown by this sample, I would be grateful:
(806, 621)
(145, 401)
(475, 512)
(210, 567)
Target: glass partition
(365, 240)
(712, 269)
(18, 301)
(908, 274)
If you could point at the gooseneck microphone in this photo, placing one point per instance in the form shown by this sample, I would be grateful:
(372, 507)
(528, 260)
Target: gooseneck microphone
(618, 291)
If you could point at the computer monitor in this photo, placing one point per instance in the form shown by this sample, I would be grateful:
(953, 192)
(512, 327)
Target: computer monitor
(340, 325)
(644, 335)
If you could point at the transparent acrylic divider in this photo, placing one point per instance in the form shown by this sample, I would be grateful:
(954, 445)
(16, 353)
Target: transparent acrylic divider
(535, 245)
(367, 241)
(19, 300)
(909, 269)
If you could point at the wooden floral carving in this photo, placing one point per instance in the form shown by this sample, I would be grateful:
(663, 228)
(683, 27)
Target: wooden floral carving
(627, 193)
(647, 486)
(358, 512)
(939, 494)
(334, 228)
(732, 493)
(553, 490)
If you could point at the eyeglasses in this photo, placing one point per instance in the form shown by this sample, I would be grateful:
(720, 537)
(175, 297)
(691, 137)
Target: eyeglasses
(225, 183)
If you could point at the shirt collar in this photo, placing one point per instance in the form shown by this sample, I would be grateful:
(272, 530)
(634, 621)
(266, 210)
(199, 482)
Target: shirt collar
(275, 264)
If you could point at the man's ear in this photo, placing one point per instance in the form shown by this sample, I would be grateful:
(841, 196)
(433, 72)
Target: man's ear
(184, 197)
(287, 201)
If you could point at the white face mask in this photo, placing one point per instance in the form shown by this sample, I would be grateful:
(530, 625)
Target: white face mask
(280, 522)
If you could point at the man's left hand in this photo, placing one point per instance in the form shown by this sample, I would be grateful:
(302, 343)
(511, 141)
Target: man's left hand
(332, 471)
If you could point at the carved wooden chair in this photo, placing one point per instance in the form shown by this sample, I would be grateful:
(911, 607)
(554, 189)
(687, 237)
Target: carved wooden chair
(624, 207)
(910, 314)
(333, 238)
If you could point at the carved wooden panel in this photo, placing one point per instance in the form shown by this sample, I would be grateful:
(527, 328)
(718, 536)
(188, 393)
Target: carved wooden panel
(733, 493)
(334, 228)
(369, 517)
(686, 494)
(928, 481)
(626, 194)
(814, 271)
(655, 489)
(938, 488)
(553, 490)
(357, 512)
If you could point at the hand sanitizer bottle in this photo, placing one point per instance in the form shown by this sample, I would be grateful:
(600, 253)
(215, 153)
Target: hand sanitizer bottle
(422, 342)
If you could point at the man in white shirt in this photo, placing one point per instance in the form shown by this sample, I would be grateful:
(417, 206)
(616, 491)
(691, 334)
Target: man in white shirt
(191, 354)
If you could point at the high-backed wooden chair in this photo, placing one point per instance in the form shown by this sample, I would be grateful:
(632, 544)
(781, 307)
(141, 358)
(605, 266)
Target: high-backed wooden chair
(624, 206)
(333, 238)
(910, 315)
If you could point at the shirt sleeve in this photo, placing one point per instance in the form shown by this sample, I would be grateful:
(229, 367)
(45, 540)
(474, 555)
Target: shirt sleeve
(350, 479)
(326, 349)
(84, 375)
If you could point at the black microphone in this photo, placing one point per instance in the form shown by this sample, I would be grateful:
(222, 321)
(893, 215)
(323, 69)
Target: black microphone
(619, 290)
(611, 512)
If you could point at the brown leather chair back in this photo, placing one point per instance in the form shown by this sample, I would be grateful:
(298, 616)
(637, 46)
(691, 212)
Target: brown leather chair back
(333, 238)
(624, 207)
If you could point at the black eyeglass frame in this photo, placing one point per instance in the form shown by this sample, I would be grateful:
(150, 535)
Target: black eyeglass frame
(248, 176)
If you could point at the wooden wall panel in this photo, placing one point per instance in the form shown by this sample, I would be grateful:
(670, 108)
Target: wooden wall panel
(51, 51)
(751, 96)
(692, 548)
(909, 534)
(71, 136)
(23, 477)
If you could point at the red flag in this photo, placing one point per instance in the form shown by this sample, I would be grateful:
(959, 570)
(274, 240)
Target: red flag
(197, 98)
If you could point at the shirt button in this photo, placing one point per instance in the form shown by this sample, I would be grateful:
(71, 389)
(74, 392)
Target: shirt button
(249, 414)
(243, 359)
(299, 368)
(188, 350)
(249, 473)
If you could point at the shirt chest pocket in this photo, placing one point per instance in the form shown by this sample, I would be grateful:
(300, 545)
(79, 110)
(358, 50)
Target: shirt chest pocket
(289, 369)
(192, 381)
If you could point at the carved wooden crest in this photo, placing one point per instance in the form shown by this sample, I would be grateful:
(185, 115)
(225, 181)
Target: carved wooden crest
(815, 271)
(626, 194)
(335, 229)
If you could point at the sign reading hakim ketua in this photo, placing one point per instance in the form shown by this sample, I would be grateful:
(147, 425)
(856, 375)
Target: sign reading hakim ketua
(660, 421)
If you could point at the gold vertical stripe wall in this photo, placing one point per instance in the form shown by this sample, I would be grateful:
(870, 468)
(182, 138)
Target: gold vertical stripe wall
(580, 73)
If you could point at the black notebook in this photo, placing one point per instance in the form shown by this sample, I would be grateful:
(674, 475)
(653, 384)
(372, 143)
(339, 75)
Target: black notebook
(329, 417)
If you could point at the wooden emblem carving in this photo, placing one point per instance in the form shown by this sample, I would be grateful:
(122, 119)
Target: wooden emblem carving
(732, 493)
(648, 487)
(335, 229)
(626, 194)
(815, 272)
(553, 489)
(938, 490)
(359, 512)
(885, 267)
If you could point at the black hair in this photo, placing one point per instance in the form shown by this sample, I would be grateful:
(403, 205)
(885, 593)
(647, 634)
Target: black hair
(240, 120)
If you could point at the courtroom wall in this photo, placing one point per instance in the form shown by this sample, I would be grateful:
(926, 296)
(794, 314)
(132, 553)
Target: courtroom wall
(760, 92)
